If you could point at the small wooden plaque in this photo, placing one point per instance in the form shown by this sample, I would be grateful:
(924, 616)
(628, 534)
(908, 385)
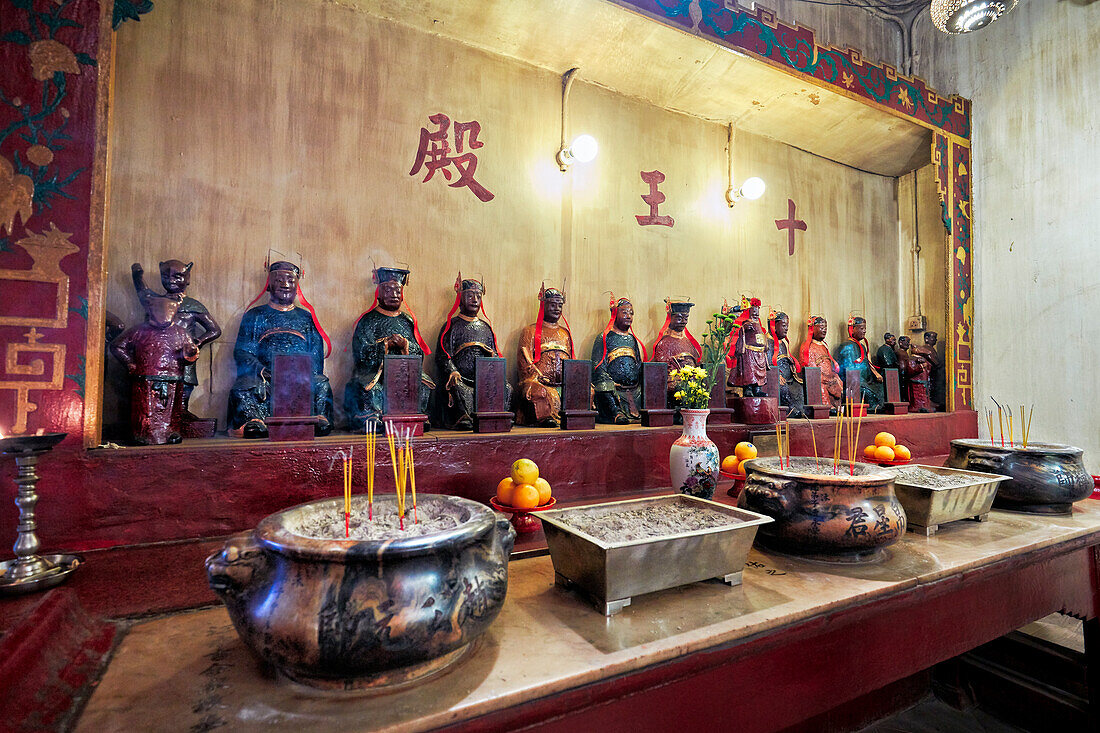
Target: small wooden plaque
(894, 404)
(719, 413)
(576, 396)
(491, 414)
(852, 391)
(811, 377)
(756, 410)
(655, 409)
(771, 389)
(291, 398)
(401, 397)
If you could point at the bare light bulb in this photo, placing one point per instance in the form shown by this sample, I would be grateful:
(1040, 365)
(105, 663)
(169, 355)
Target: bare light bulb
(752, 189)
(584, 148)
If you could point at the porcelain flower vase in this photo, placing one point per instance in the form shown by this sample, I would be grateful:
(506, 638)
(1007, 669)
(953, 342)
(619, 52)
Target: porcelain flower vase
(693, 459)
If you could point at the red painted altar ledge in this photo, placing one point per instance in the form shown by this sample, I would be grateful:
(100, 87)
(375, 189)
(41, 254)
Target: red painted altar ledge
(206, 488)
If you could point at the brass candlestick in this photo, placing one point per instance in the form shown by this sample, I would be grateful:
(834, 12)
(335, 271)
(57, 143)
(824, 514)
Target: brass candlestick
(30, 571)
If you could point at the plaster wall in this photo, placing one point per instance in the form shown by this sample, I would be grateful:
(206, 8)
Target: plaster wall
(248, 125)
(1033, 78)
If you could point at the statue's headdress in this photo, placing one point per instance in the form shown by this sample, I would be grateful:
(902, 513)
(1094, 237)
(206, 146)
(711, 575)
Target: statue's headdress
(804, 352)
(544, 293)
(401, 276)
(185, 266)
(774, 316)
(614, 305)
(853, 321)
(283, 265)
(674, 305)
(461, 286)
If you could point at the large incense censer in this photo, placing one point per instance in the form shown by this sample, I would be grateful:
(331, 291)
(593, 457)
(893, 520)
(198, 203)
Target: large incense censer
(360, 613)
(849, 515)
(1043, 478)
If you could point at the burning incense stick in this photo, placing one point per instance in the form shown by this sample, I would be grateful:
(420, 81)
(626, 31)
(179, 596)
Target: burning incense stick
(779, 443)
(855, 443)
(398, 475)
(412, 477)
(989, 421)
(813, 439)
(347, 497)
(837, 435)
(371, 448)
(1000, 420)
(1027, 426)
(1009, 410)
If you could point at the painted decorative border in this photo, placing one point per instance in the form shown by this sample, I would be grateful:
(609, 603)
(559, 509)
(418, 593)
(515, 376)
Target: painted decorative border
(759, 33)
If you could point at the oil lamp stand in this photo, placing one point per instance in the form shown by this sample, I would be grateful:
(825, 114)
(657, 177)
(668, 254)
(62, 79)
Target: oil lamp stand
(30, 571)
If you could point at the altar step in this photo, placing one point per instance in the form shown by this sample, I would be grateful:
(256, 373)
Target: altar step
(1027, 681)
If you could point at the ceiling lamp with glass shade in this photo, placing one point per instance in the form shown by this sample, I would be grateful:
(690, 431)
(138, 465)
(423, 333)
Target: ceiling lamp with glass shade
(963, 16)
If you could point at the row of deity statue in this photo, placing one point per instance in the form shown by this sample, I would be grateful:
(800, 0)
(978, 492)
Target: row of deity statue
(160, 355)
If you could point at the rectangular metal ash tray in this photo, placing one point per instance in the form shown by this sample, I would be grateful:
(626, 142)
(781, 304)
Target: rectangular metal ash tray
(927, 507)
(611, 573)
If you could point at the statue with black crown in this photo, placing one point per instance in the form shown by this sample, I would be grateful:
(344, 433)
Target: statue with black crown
(543, 345)
(675, 345)
(387, 327)
(280, 326)
(617, 356)
(466, 336)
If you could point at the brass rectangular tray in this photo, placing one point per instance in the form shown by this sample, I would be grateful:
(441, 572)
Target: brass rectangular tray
(610, 574)
(926, 507)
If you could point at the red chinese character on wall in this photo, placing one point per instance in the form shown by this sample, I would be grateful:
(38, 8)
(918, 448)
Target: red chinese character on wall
(434, 154)
(655, 198)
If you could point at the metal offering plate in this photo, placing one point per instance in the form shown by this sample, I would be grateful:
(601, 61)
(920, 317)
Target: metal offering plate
(611, 573)
(927, 507)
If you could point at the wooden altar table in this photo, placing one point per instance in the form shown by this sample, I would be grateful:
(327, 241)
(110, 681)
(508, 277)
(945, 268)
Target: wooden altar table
(797, 638)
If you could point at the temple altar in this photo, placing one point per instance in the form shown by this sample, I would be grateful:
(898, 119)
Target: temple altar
(552, 663)
(342, 141)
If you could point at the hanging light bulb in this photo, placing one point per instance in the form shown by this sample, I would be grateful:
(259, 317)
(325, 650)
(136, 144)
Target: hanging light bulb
(751, 189)
(582, 150)
(963, 16)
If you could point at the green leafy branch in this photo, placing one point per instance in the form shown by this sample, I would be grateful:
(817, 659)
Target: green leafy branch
(719, 327)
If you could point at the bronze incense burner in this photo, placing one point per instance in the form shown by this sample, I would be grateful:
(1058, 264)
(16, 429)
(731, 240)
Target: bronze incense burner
(1043, 478)
(847, 516)
(349, 614)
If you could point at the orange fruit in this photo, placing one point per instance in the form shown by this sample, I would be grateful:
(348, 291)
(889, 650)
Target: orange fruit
(525, 496)
(729, 463)
(524, 471)
(744, 450)
(902, 453)
(869, 451)
(740, 469)
(885, 439)
(543, 487)
(884, 453)
(505, 489)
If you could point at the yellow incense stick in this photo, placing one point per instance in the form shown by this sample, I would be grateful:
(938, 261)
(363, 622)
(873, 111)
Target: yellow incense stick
(855, 443)
(370, 468)
(813, 439)
(393, 459)
(412, 481)
(838, 434)
(779, 445)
